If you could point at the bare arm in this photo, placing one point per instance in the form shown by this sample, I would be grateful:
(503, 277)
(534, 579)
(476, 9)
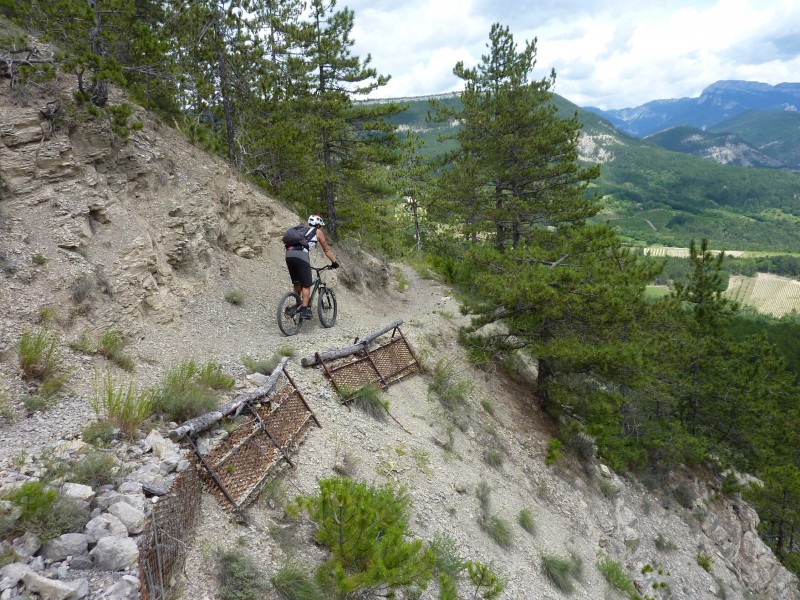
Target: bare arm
(325, 248)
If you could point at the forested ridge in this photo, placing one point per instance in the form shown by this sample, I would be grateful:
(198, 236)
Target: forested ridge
(506, 216)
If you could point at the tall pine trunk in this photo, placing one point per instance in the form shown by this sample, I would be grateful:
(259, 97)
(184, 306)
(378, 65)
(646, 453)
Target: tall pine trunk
(222, 72)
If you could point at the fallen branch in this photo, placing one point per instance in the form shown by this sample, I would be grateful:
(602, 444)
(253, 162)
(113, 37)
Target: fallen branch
(311, 359)
(203, 422)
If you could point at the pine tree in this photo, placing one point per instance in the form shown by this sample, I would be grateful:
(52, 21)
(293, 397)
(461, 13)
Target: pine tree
(778, 505)
(218, 52)
(365, 530)
(720, 393)
(571, 301)
(82, 32)
(348, 139)
(526, 155)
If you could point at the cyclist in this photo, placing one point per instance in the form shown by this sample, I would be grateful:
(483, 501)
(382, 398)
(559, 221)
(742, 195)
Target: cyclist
(298, 261)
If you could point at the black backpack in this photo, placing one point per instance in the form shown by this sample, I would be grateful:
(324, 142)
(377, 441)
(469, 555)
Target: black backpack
(299, 235)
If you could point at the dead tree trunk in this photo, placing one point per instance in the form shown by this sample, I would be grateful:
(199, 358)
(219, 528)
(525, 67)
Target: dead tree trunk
(311, 359)
(203, 422)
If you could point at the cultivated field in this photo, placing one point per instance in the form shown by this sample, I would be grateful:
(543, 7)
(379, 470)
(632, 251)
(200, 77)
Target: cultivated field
(768, 294)
(684, 252)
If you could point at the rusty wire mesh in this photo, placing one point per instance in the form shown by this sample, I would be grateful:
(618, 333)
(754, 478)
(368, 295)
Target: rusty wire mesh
(246, 458)
(165, 540)
(385, 365)
(241, 464)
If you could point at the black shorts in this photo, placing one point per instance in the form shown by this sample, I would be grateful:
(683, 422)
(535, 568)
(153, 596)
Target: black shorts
(299, 270)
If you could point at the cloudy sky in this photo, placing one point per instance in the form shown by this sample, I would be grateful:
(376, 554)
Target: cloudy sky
(609, 53)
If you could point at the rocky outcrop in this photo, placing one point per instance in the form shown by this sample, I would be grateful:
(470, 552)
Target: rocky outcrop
(108, 542)
(155, 231)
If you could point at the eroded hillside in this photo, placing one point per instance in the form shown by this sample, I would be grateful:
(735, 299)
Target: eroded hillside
(147, 235)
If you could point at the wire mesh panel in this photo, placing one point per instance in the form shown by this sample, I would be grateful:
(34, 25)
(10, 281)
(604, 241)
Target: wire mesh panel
(165, 539)
(243, 461)
(385, 364)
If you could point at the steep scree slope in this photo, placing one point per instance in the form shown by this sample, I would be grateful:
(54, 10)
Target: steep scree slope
(147, 235)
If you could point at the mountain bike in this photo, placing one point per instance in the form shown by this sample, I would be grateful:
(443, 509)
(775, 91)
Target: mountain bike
(289, 320)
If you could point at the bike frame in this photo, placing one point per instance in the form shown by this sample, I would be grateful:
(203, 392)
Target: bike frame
(317, 283)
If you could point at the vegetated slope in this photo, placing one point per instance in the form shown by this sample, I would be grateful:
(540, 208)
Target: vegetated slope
(722, 148)
(154, 232)
(777, 135)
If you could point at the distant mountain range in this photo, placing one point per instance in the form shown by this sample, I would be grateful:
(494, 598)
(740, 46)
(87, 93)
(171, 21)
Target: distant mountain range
(719, 102)
(742, 123)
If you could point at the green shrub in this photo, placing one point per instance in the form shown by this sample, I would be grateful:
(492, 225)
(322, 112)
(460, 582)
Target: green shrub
(98, 433)
(704, 560)
(663, 543)
(82, 289)
(6, 410)
(95, 469)
(499, 530)
(488, 407)
(617, 577)
(447, 556)
(684, 495)
(486, 582)
(369, 400)
(294, 583)
(122, 406)
(366, 531)
(483, 492)
(493, 457)
(526, 521)
(33, 499)
(111, 346)
(39, 259)
(608, 489)
(211, 375)
(265, 366)
(39, 357)
(731, 485)
(38, 403)
(7, 554)
(239, 576)
(447, 588)
(83, 344)
(560, 571)
(44, 512)
(553, 451)
(235, 297)
(48, 314)
(187, 390)
(496, 527)
(286, 350)
(451, 393)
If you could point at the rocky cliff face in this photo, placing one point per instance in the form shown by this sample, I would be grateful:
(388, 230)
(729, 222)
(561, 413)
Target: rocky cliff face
(142, 235)
(128, 217)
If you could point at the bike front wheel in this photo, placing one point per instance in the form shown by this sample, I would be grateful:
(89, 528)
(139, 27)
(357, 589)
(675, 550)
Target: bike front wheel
(289, 320)
(326, 307)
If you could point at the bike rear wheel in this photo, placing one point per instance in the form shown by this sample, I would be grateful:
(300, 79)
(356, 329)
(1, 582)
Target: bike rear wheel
(289, 321)
(326, 307)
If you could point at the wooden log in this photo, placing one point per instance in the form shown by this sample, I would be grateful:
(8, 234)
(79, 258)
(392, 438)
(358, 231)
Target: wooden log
(203, 422)
(311, 359)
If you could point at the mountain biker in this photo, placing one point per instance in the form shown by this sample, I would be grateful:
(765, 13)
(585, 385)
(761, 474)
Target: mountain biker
(298, 262)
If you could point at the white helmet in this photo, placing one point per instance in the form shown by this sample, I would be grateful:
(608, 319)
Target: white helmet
(315, 221)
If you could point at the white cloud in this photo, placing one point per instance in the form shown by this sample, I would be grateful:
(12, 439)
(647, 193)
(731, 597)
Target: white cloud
(612, 54)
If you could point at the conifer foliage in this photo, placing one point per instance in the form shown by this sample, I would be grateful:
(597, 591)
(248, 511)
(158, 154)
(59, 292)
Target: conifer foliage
(365, 529)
